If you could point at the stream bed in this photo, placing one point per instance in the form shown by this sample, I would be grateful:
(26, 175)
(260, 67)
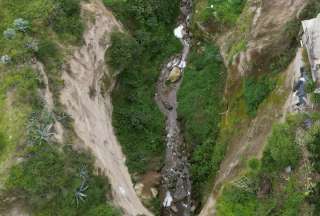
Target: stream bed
(176, 183)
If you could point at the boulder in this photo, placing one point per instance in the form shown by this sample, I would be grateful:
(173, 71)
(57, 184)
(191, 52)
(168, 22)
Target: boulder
(175, 75)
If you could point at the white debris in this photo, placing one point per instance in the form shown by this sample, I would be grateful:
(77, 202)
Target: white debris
(168, 200)
(182, 64)
(302, 79)
(288, 169)
(178, 32)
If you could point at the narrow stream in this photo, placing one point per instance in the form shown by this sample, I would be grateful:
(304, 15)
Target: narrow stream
(176, 183)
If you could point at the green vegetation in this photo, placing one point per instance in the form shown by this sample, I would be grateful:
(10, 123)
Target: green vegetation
(200, 107)
(34, 28)
(282, 150)
(18, 92)
(51, 180)
(222, 13)
(123, 52)
(266, 189)
(138, 55)
(256, 90)
(314, 150)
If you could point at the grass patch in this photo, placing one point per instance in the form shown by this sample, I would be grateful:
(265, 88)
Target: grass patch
(221, 14)
(256, 90)
(18, 96)
(200, 107)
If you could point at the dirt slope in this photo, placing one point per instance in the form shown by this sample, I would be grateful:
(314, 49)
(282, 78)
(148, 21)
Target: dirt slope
(93, 114)
(268, 22)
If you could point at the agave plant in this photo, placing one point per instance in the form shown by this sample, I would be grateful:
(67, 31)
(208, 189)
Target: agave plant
(44, 133)
(80, 192)
(21, 24)
(40, 127)
(9, 34)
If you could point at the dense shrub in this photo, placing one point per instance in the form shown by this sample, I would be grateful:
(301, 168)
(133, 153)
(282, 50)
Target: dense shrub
(66, 19)
(313, 143)
(255, 92)
(123, 52)
(200, 105)
(235, 201)
(138, 123)
(281, 150)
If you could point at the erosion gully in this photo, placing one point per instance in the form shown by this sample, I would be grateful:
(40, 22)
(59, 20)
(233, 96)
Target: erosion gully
(176, 183)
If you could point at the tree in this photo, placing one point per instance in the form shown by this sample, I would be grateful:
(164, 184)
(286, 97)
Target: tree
(123, 52)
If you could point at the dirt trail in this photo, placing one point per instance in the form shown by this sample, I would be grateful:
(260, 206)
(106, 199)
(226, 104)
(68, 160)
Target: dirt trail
(93, 115)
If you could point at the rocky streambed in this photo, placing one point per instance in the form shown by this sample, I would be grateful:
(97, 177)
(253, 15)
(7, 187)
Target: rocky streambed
(176, 183)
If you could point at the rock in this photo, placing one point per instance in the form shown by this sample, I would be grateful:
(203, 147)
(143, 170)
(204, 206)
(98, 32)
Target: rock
(193, 208)
(139, 188)
(175, 75)
(174, 209)
(167, 105)
(154, 192)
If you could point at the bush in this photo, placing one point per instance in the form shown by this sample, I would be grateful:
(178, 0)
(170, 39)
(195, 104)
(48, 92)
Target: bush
(254, 164)
(139, 125)
(203, 82)
(256, 91)
(235, 201)
(313, 144)
(281, 150)
(66, 20)
(315, 98)
(123, 52)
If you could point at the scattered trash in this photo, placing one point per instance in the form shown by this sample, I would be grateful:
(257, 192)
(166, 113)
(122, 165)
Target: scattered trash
(168, 200)
(178, 32)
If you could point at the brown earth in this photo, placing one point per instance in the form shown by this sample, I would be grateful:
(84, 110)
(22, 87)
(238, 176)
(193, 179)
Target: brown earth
(269, 20)
(92, 114)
